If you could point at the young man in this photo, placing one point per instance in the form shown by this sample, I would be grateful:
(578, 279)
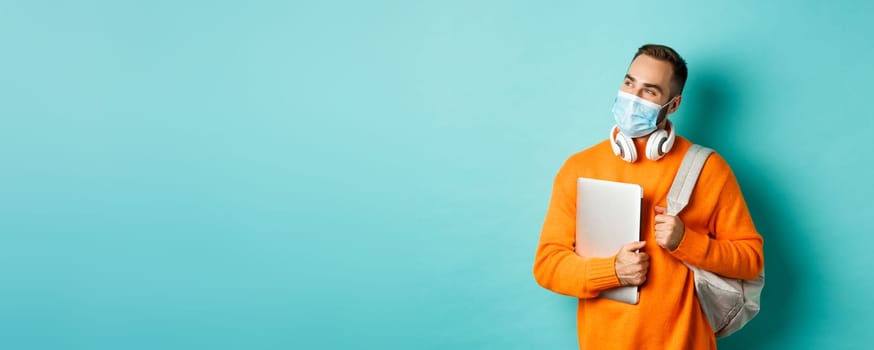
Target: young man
(715, 232)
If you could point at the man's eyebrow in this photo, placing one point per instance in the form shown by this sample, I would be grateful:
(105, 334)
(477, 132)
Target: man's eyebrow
(654, 86)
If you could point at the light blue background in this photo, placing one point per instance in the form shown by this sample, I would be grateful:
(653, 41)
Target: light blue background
(276, 175)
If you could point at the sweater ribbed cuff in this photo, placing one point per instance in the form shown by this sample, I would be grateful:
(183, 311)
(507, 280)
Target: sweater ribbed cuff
(692, 248)
(601, 274)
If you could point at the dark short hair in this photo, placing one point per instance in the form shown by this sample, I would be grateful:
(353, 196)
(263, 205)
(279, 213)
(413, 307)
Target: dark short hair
(664, 53)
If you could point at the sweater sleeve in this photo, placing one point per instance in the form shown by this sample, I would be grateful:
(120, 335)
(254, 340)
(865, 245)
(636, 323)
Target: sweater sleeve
(556, 265)
(734, 247)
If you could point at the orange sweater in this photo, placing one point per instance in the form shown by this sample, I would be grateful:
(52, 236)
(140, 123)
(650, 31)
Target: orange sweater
(719, 237)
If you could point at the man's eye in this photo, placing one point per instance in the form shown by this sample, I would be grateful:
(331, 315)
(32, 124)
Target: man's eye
(650, 92)
(627, 84)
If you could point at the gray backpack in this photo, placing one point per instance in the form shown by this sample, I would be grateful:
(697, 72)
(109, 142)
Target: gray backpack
(728, 303)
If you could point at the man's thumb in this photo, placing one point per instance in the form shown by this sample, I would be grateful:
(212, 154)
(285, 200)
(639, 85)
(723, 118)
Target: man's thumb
(659, 210)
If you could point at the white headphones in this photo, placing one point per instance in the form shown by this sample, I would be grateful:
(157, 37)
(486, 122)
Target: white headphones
(659, 143)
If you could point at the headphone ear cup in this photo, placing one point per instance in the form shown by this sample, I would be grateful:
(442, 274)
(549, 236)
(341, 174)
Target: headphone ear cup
(613, 145)
(655, 145)
(626, 145)
(669, 143)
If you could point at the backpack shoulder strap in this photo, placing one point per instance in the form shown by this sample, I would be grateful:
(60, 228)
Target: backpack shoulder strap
(687, 177)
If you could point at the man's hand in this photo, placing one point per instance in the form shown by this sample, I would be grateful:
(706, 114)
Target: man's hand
(631, 267)
(669, 230)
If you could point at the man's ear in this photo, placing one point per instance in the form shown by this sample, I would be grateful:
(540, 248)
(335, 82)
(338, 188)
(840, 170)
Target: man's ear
(676, 104)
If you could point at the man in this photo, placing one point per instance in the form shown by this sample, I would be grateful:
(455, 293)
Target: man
(715, 232)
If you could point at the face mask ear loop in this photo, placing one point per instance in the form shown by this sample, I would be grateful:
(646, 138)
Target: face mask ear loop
(670, 101)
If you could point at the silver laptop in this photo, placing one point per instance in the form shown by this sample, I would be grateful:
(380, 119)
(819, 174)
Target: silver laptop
(608, 217)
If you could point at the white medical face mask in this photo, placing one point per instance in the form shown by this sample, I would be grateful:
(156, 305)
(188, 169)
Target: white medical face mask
(635, 116)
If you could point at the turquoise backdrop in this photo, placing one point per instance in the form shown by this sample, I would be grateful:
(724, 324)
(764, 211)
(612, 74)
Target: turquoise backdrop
(374, 175)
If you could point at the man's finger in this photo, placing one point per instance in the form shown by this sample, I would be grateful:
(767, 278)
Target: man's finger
(660, 210)
(631, 247)
(665, 225)
(662, 218)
